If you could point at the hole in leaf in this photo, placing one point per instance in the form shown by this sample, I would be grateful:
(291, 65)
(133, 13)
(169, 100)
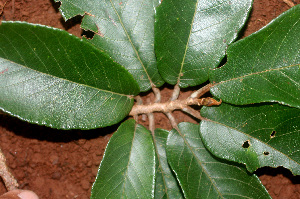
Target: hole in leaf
(246, 144)
(266, 153)
(88, 34)
(273, 134)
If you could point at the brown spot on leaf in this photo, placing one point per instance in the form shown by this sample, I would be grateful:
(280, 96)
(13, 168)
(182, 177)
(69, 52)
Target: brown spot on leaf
(273, 134)
(246, 144)
(5, 70)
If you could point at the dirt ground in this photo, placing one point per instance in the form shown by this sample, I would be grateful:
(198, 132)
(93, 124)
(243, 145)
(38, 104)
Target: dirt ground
(63, 164)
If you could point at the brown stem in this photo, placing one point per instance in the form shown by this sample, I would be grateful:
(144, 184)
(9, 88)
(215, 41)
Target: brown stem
(172, 105)
(172, 120)
(201, 91)
(151, 123)
(289, 3)
(193, 112)
(8, 179)
(157, 94)
(139, 101)
(175, 93)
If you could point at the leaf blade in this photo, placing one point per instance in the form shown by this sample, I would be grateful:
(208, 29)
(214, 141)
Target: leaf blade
(129, 148)
(191, 37)
(57, 80)
(263, 67)
(125, 31)
(166, 185)
(201, 175)
(257, 136)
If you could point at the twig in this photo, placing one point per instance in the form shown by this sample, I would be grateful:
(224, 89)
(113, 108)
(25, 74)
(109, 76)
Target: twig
(2, 7)
(193, 112)
(151, 123)
(172, 120)
(289, 3)
(8, 179)
(201, 91)
(157, 94)
(175, 93)
(172, 105)
(139, 101)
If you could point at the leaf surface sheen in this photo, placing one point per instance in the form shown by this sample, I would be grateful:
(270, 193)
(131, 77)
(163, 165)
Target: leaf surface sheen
(264, 67)
(258, 136)
(125, 30)
(191, 37)
(127, 169)
(201, 175)
(166, 185)
(52, 78)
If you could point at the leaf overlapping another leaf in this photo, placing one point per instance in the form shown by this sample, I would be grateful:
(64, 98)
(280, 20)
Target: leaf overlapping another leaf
(264, 67)
(166, 185)
(258, 136)
(191, 37)
(53, 78)
(125, 30)
(201, 175)
(127, 169)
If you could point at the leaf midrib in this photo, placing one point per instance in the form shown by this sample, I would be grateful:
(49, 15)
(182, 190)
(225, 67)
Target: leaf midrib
(200, 163)
(186, 46)
(39, 73)
(130, 41)
(256, 73)
(244, 133)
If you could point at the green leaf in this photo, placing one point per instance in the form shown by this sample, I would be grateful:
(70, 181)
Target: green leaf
(191, 37)
(264, 67)
(201, 175)
(52, 78)
(127, 169)
(125, 30)
(166, 185)
(265, 135)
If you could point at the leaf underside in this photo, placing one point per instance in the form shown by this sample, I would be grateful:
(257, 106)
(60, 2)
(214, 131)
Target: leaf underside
(127, 169)
(264, 67)
(201, 175)
(125, 30)
(52, 78)
(258, 136)
(191, 37)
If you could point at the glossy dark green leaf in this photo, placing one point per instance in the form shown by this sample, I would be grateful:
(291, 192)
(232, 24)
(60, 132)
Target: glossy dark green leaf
(127, 169)
(52, 78)
(258, 136)
(191, 37)
(125, 30)
(166, 185)
(264, 67)
(201, 175)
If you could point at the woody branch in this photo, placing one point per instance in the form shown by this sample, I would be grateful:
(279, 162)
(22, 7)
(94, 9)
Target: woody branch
(172, 105)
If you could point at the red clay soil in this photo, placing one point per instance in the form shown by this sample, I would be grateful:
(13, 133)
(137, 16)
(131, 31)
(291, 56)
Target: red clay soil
(63, 164)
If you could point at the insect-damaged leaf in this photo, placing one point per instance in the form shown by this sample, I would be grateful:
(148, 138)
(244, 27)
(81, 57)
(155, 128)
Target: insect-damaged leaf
(191, 37)
(125, 30)
(202, 175)
(52, 78)
(127, 169)
(258, 136)
(264, 67)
